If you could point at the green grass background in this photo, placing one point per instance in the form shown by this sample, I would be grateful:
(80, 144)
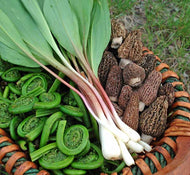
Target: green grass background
(166, 29)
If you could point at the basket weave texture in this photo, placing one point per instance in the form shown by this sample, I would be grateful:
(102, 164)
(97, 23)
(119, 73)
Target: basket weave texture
(170, 155)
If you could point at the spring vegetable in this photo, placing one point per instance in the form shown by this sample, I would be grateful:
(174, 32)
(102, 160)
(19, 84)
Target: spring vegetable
(55, 159)
(57, 172)
(72, 141)
(93, 159)
(13, 125)
(124, 96)
(71, 110)
(118, 33)
(82, 107)
(85, 150)
(149, 90)
(15, 89)
(112, 166)
(48, 127)
(11, 75)
(22, 104)
(133, 75)
(83, 43)
(108, 60)
(131, 48)
(72, 171)
(168, 90)
(48, 101)
(152, 121)
(31, 127)
(131, 114)
(5, 115)
(148, 62)
(34, 86)
(22, 144)
(6, 92)
(35, 155)
(114, 83)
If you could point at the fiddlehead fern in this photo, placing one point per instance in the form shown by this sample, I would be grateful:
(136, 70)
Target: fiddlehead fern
(110, 166)
(11, 75)
(14, 88)
(50, 157)
(73, 140)
(31, 127)
(13, 127)
(48, 127)
(5, 116)
(92, 160)
(22, 104)
(35, 85)
(71, 171)
(55, 159)
(85, 150)
(71, 110)
(6, 92)
(48, 101)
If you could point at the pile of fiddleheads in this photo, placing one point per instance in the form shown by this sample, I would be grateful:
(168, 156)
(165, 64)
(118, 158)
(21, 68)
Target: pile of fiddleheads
(49, 121)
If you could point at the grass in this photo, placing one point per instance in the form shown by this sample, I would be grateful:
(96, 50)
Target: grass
(165, 26)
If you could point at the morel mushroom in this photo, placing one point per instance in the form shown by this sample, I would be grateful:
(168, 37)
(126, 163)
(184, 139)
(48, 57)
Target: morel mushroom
(114, 83)
(149, 90)
(131, 49)
(118, 33)
(118, 109)
(152, 121)
(124, 96)
(148, 62)
(131, 114)
(168, 90)
(133, 75)
(108, 60)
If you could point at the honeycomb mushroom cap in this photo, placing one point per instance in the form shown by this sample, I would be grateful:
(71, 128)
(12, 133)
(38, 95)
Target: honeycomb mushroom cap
(168, 90)
(133, 75)
(131, 114)
(108, 60)
(124, 96)
(118, 109)
(149, 90)
(131, 48)
(152, 121)
(114, 83)
(118, 29)
(148, 62)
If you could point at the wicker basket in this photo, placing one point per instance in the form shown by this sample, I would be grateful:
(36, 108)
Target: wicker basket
(170, 155)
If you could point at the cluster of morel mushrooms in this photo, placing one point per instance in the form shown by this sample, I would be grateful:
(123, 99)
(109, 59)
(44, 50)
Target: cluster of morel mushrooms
(133, 85)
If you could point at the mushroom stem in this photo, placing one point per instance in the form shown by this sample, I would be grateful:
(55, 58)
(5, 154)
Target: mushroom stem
(146, 138)
(116, 42)
(123, 62)
(141, 106)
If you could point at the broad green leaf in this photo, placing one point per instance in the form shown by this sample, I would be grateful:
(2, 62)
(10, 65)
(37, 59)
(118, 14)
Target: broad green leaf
(83, 11)
(99, 34)
(64, 25)
(34, 9)
(26, 27)
(41, 3)
(14, 57)
(13, 39)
